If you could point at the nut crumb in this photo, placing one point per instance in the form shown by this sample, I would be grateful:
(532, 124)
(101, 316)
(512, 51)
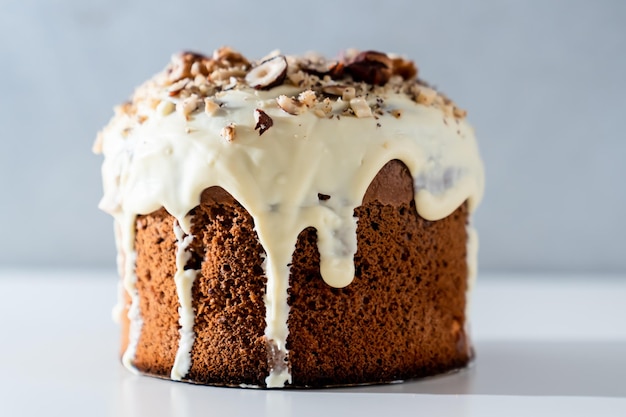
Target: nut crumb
(177, 87)
(323, 197)
(370, 66)
(187, 106)
(348, 94)
(459, 113)
(308, 98)
(228, 132)
(360, 107)
(263, 121)
(426, 96)
(396, 113)
(210, 106)
(165, 107)
(290, 105)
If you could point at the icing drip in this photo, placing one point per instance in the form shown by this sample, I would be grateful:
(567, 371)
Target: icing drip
(184, 283)
(472, 264)
(277, 178)
(127, 238)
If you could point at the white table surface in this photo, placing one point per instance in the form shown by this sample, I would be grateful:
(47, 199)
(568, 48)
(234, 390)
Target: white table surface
(546, 345)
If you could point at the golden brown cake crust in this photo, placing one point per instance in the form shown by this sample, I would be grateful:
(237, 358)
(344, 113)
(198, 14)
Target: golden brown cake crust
(402, 317)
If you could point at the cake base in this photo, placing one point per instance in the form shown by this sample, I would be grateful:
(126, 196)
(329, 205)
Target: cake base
(402, 317)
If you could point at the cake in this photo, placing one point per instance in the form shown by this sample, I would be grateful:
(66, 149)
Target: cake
(294, 221)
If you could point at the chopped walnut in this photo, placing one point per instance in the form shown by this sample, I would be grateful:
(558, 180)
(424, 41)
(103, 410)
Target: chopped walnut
(228, 132)
(360, 107)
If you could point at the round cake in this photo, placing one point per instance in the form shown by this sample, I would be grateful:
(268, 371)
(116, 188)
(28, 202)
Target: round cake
(294, 221)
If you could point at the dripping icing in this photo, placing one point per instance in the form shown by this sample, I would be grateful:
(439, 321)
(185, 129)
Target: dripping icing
(127, 237)
(183, 279)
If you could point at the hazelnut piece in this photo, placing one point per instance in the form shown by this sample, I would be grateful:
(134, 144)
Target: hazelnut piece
(290, 105)
(263, 121)
(268, 74)
(371, 67)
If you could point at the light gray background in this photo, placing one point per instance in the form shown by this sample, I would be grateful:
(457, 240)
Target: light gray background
(544, 82)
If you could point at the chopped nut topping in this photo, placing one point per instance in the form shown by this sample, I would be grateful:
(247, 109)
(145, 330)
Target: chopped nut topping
(308, 98)
(404, 68)
(348, 94)
(360, 107)
(334, 89)
(181, 66)
(296, 78)
(228, 132)
(448, 109)
(165, 107)
(290, 105)
(175, 88)
(395, 113)
(263, 121)
(353, 85)
(268, 73)
(426, 95)
(187, 106)
(228, 57)
(459, 113)
(126, 108)
(370, 66)
(210, 106)
(224, 74)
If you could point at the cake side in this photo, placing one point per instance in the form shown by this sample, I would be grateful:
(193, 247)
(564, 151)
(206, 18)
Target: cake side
(402, 317)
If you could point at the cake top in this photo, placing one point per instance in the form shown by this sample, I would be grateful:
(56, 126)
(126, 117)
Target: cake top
(354, 85)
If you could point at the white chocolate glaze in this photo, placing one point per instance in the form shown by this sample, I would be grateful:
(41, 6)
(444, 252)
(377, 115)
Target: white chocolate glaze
(127, 237)
(184, 283)
(169, 159)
